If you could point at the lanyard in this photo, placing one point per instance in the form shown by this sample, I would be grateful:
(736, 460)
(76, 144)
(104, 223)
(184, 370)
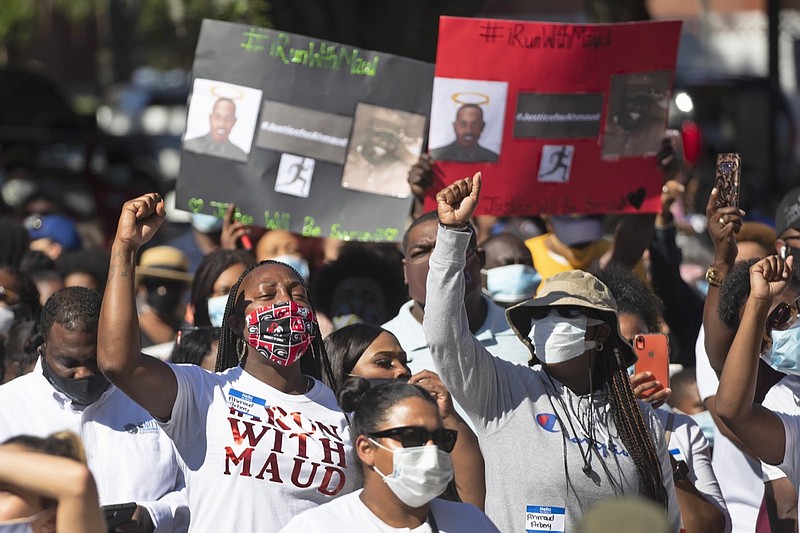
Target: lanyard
(432, 522)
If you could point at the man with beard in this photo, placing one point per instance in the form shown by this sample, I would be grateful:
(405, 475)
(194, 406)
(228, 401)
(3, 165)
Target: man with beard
(378, 164)
(222, 120)
(130, 457)
(636, 124)
(468, 127)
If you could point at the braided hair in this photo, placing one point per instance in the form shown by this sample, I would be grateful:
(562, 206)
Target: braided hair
(628, 420)
(313, 364)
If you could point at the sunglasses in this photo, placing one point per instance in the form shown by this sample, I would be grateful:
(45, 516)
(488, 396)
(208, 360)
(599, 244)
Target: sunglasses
(563, 311)
(412, 436)
(781, 318)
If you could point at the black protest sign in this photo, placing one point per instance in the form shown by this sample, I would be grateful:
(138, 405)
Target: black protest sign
(302, 134)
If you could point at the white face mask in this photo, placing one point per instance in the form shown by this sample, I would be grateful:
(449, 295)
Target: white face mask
(557, 339)
(7, 318)
(419, 473)
(216, 309)
(298, 263)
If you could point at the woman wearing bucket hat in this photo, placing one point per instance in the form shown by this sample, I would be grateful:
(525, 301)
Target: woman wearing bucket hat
(569, 428)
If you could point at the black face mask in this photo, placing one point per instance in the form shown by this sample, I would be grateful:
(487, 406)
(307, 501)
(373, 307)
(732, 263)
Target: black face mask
(165, 304)
(83, 391)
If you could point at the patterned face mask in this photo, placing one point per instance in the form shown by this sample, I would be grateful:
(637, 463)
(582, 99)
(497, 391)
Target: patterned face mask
(281, 332)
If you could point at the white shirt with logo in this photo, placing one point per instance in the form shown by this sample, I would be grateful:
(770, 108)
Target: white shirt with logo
(254, 457)
(131, 459)
(687, 443)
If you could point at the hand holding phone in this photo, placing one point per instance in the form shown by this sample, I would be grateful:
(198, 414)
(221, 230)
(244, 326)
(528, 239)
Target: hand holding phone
(727, 182)
(118, 514)
(653, 352)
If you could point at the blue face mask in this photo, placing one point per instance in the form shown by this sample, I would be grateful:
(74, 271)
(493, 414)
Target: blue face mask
(784, 354)
(512, 284)
(706, 423)
(206, 223)
(297, 263)
(216, 309)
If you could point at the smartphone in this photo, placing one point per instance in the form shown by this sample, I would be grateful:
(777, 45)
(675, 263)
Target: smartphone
(653, 352)
(118, 514)
(727, 180)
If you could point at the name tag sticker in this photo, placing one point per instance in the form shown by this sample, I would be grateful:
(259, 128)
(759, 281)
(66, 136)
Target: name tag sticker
(544, 518)
(676, 453)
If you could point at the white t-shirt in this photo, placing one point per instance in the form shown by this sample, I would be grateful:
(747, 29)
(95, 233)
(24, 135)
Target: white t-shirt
(349, 514)
(254, 457)
(687, 443)
(783, 397)
(130, 458)
(738, 474)
(791, 455)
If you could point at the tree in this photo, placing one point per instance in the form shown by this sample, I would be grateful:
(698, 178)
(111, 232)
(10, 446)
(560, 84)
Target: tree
(404, 27)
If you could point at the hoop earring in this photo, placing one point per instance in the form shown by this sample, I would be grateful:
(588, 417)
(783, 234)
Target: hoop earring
(599, 346)
(241, 349)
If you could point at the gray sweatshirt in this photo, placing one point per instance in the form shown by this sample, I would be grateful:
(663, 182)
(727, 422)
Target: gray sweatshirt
(541, 472)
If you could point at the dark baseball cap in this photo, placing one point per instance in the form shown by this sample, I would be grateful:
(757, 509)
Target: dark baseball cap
(788, 213)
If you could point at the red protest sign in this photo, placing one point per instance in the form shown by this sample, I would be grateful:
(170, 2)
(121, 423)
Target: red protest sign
(559, 118)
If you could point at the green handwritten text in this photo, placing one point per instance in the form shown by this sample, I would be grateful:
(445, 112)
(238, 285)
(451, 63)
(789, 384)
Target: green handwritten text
(277, 220)
(315, 55)
(220, 209)
(379, 235)
(310, 228)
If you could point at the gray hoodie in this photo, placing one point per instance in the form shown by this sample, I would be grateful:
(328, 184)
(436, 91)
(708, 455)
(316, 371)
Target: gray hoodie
(541, 473)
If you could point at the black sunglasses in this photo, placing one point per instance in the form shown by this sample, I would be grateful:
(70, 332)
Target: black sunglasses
(781, 318)
(563, 311)
(411, 436)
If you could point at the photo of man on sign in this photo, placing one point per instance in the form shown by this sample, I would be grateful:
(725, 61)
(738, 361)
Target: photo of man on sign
(227, 130)
(468, 126)
(637, 114)
(467, 120)
(384, 145)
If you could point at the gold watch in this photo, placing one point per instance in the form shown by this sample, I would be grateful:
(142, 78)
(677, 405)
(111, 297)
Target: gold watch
(713, 278)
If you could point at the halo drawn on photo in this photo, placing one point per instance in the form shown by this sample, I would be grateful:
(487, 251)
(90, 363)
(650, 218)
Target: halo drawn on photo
(294, 175)
(467, 119)
(385, 143)
(636, 113)
(221, 119)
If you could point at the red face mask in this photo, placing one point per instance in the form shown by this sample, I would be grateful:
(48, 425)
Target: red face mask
(281, 332)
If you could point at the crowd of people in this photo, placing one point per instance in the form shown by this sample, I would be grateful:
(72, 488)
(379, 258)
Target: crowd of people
(478, 376)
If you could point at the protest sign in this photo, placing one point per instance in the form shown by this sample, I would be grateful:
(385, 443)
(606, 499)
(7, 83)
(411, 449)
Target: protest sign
(301, 134)
(559, 118)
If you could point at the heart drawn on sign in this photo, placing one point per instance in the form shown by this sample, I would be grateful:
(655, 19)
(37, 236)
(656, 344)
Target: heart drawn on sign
(195, 205)
(636, 198)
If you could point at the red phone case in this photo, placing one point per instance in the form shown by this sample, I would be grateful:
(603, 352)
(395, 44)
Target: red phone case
(653, 352)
